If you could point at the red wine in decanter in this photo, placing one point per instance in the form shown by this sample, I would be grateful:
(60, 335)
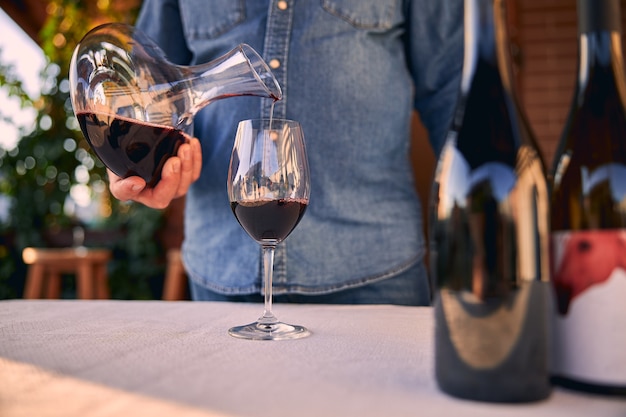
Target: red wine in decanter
(129, 147)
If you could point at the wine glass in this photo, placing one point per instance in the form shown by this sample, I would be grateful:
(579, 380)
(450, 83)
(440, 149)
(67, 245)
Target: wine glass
(268, 188)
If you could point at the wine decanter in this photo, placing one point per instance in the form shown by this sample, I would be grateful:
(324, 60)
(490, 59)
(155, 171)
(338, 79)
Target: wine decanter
(135, 107)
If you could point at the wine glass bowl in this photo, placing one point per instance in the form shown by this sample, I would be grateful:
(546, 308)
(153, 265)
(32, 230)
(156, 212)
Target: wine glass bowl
(268, 189)
(135, 108)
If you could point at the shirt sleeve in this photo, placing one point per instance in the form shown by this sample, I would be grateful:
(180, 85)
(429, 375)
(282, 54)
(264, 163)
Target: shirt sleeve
(160, 20)
(435, 58)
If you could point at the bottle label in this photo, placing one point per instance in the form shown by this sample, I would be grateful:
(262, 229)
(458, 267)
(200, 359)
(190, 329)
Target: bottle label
(589, 277)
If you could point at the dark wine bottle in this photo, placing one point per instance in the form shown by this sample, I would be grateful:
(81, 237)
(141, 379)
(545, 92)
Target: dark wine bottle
(588, 205)
(490, 224)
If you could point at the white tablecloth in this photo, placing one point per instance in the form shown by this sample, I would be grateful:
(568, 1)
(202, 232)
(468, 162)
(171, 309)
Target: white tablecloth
(154, 358)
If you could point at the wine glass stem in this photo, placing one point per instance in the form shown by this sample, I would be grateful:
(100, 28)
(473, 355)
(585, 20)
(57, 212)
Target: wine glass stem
(268, 272)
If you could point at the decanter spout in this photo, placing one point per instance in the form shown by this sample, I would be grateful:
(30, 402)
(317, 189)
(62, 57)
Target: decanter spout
(240, 72)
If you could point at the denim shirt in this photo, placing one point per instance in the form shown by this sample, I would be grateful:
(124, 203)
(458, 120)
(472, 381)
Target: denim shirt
(351, 73)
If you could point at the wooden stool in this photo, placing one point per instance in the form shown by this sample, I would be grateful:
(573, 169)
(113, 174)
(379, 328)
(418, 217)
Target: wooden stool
(175, 285)
(46, 266)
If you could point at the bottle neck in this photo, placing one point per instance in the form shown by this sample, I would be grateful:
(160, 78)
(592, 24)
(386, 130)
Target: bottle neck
(599, 50)
(600, 46)
(598, 16)
(486, 42)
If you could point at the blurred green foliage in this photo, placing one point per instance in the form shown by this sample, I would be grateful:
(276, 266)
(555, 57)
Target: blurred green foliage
(53, 160)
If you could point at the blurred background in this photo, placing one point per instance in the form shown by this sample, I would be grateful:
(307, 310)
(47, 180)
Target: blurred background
(51, 184)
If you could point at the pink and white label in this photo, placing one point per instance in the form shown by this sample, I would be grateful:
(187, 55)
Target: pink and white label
(589, 277)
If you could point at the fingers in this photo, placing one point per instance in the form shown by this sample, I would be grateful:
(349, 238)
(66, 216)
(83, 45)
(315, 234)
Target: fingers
(127, 188)
(196, 153)
(191, 165)
(160, 196)
(178, 173)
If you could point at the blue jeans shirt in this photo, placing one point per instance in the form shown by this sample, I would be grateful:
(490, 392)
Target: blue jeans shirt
(351, 73)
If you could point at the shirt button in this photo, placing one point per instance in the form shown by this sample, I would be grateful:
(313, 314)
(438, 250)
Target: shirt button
(282, 5)
(274, 63)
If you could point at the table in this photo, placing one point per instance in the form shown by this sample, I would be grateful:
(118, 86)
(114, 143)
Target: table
(161, 358)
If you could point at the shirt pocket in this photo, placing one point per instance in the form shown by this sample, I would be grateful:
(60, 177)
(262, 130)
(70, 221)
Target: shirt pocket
(366, 14)
(210, 19)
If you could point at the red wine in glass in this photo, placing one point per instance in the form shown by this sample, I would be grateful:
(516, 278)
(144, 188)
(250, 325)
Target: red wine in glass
(269, 220)
(129, 147)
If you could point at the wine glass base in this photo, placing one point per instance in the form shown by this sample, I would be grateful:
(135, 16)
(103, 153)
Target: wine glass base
(269, 331)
